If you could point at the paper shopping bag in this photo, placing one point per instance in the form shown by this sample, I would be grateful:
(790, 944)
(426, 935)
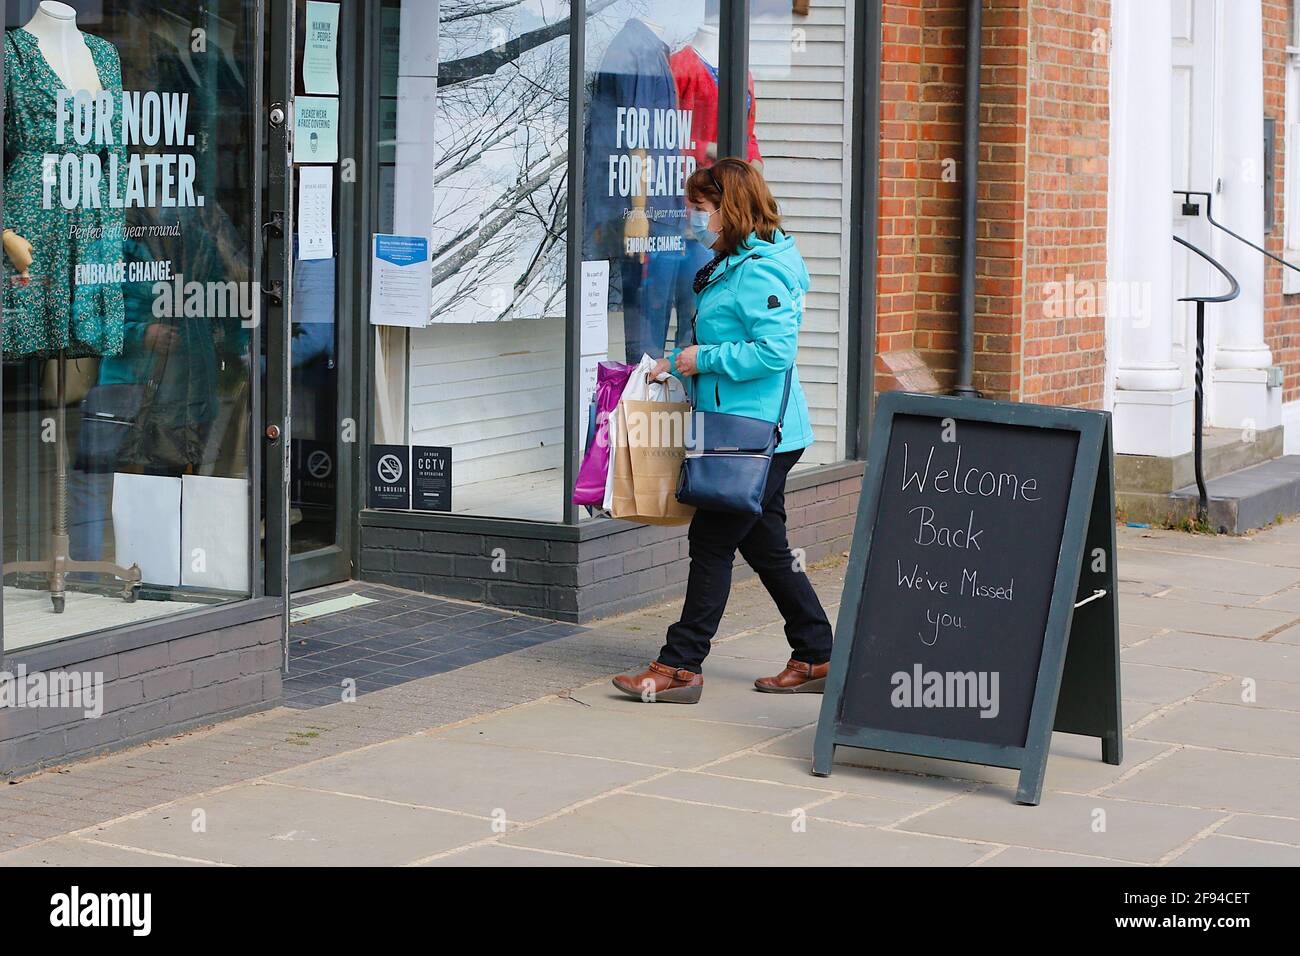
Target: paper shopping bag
(647, 465)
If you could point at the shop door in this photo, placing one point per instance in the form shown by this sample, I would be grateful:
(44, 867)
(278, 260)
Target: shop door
(276, 216)
(320, 466)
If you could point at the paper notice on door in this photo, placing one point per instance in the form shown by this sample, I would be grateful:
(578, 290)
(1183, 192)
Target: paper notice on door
(316, 212)
(315, 129)
(401, 281)
(594, 306)
(320, 72)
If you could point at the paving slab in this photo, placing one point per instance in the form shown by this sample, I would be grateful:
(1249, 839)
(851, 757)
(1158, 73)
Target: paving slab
(648, 830)
(1207, 596)
(1288, 600)
(909, 788)
(1219, 655)
(467, 777)
(720, 791)
(1217, 850)
(266, 825)
(1272, 829)
(867, 811)
(1217, 779)
(71, 851)
(1137, 832)
(1074, 763)
(637, 735)
(1137, 633)
(1289, 636)
(1134, 711)
(1202, 573)
(1202, 618)
(767, 645)
(496, 855)
(1027, 856)
(1161, 685)
(1273, 694)
(1250, 729)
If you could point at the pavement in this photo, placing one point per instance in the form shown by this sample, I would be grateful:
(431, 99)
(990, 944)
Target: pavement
(530, 758)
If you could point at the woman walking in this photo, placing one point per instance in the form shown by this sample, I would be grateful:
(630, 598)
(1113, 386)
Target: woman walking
(749, 304)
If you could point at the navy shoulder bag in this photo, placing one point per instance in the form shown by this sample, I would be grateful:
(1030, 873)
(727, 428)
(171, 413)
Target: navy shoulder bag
(728, 457)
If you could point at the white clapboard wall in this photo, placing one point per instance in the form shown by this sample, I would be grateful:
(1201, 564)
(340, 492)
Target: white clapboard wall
(494, 391)
(803, 129)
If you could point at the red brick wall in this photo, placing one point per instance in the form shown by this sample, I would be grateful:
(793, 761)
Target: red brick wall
(900, 111)
(1281, 313)
(1066, 192)
(1042, 193)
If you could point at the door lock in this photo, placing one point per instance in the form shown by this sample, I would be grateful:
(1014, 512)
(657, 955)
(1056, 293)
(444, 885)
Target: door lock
(277, 115)
(272, 432)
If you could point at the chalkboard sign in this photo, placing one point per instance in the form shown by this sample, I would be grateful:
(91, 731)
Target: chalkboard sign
(980, 527)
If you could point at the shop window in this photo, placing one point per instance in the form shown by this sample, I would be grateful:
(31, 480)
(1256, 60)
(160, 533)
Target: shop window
(485, 376)
(800, 59)
(127, 309)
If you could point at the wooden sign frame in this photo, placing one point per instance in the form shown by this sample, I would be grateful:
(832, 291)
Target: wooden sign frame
(1077, 690)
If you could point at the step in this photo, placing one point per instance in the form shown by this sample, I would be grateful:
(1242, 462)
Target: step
(1253, 497)
(1224, 450)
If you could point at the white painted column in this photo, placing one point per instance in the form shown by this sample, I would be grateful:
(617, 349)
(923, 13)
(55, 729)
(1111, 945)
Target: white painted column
(1152, 408)
(1241, 396)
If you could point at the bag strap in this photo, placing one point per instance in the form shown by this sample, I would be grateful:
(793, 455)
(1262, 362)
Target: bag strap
(785, 397)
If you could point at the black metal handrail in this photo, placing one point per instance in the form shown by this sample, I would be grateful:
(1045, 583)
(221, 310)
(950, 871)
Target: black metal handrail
(1203, 503)
(1190, 209)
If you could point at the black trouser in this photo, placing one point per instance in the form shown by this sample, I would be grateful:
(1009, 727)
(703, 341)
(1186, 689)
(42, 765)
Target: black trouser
(714, 537)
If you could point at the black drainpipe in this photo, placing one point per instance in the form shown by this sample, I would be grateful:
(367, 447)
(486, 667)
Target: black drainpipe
(970, 183)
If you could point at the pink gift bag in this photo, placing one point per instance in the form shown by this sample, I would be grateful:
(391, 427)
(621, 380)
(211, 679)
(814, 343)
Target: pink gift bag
(611, 379)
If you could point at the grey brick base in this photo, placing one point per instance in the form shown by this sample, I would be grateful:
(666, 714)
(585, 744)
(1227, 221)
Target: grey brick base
(579, 574)
(148, 692)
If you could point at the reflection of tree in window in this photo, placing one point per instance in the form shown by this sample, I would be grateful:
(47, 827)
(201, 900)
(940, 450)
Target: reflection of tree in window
(500, 183)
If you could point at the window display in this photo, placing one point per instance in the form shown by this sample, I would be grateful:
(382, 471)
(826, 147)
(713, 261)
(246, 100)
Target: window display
(652, 119)
(127, 308)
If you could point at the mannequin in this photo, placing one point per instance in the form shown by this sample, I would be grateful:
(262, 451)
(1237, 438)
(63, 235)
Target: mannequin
(54, 25)
(706, 43)
(56, 316)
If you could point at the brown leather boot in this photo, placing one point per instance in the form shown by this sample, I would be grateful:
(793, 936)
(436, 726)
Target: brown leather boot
(797, 678)
(663, 684)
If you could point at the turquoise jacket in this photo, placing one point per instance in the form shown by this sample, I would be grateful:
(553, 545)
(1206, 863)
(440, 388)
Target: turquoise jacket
(747, 328)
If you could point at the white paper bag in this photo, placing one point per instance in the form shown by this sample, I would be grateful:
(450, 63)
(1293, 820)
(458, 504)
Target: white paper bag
(667, 388)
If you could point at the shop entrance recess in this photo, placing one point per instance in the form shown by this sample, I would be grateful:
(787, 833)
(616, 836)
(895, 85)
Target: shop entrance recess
(320, 191)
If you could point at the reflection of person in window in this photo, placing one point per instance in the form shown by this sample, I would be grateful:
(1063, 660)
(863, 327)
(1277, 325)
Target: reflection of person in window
(669, 277)
(628, 224)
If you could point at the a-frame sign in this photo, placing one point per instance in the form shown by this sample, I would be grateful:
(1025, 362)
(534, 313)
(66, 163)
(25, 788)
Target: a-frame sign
(980, 610)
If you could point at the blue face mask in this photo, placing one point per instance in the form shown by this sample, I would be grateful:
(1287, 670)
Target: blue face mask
(700, 226)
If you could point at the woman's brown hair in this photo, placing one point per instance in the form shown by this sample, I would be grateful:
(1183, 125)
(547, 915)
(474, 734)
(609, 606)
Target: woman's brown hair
(741, 194)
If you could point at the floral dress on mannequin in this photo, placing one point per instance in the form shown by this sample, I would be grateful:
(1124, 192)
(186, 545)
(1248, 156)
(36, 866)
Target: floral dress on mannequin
(53, 312)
